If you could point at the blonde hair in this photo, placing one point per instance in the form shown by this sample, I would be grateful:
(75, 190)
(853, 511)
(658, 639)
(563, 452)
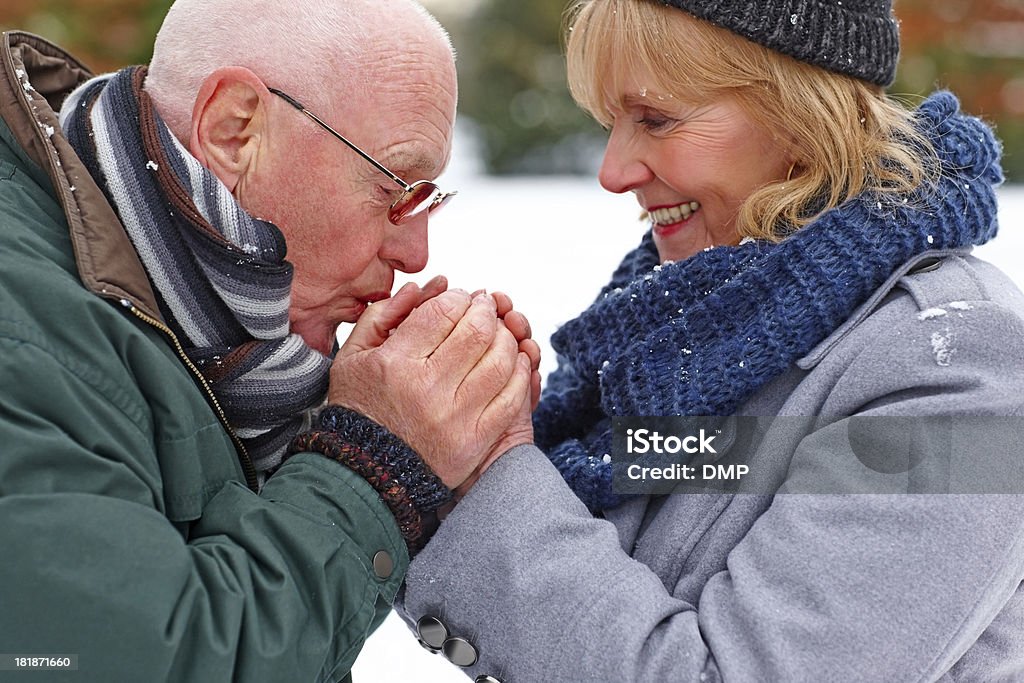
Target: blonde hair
(847, 136)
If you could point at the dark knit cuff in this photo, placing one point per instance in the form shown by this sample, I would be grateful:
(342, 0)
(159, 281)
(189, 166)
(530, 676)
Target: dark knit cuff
(404, 482)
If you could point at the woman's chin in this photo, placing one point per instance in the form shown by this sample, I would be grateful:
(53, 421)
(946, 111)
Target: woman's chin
(675, 252)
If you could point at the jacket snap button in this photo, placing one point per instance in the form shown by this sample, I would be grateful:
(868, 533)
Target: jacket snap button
(486, 679)
(431, 650)
(432, 633)
(460, 652)
(383, 565)
(926, 265)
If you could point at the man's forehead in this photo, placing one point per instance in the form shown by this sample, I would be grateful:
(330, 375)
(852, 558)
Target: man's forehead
(410, 140)
(404, 114)
(412, 159)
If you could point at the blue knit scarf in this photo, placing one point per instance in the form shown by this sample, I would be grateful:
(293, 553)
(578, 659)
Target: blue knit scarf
(699, 337)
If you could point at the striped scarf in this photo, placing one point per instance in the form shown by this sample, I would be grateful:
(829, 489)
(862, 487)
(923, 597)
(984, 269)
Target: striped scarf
(220, 277)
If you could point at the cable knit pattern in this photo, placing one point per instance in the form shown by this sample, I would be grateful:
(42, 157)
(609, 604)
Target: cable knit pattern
(699, 337)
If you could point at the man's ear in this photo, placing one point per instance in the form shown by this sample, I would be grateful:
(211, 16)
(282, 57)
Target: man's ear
(228, 122)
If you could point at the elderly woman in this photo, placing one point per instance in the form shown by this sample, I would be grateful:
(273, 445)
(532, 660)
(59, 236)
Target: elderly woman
(808, 257)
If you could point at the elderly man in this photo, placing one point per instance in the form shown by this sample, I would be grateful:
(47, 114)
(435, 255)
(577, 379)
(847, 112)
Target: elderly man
(170, 508)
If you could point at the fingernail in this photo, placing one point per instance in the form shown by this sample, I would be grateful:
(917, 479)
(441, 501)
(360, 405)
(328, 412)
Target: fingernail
(485, 299)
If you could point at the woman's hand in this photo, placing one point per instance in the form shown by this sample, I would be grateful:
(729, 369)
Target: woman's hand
(519, 326)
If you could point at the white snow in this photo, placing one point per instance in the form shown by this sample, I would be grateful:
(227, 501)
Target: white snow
(152, 165)
(930, 313)
(942, 348)
(551, 244)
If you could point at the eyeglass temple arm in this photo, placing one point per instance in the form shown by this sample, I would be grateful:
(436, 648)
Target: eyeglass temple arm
(301, 107)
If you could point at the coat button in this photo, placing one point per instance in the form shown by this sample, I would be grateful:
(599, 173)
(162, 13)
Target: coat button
(383, 565)
(460, 652)
(486, 679)
(432, 633)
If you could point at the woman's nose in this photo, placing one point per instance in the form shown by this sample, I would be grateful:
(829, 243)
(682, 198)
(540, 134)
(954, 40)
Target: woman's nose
(623, 168)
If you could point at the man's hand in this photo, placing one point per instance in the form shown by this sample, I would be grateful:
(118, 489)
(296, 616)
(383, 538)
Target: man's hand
(377, 323)
(389, 314)
(449, 379)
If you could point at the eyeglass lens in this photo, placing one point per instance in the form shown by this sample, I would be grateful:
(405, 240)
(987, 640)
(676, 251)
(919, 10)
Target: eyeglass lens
(418, 198)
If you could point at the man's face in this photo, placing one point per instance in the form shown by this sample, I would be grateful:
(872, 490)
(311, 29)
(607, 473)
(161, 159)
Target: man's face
(332, 205)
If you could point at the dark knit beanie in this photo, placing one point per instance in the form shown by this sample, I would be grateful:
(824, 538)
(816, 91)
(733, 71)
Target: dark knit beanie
(858, 38)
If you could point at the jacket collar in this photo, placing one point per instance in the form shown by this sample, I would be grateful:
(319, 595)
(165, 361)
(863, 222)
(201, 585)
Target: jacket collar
(35, 77)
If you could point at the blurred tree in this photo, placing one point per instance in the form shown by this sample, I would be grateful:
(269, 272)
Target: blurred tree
(512, 74)
(512, 71)
(104, 34)
(976, 49)
(512, 84)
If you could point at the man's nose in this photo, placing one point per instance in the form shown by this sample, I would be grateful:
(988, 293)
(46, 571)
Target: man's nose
(405, 247)
(623, 168)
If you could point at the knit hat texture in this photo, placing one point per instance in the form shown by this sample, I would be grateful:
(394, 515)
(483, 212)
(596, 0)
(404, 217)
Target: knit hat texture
(858, 38)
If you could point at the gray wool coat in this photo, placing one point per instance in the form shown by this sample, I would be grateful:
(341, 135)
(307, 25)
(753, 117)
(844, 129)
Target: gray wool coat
(784, 587)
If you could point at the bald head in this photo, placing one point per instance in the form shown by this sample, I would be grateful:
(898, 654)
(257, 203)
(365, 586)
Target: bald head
(312, 48)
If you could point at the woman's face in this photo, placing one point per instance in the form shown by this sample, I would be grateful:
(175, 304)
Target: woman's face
(690, 165)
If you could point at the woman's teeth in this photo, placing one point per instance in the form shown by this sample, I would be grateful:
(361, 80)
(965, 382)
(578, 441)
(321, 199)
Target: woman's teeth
(674, 214)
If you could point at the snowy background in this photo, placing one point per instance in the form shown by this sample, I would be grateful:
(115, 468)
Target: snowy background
(551, 243)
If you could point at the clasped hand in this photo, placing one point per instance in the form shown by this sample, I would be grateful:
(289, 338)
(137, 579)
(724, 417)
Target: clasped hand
(453, 374)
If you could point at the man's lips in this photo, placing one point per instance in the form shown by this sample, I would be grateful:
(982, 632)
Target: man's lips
(376, 296)
(363, 302)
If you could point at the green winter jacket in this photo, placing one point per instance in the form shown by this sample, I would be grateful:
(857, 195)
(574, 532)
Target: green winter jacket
(128, 534)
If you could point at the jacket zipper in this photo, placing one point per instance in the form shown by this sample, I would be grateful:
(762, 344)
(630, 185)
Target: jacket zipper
(243, 454)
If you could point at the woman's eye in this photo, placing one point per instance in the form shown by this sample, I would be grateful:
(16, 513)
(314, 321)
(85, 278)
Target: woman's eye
(655, 122)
